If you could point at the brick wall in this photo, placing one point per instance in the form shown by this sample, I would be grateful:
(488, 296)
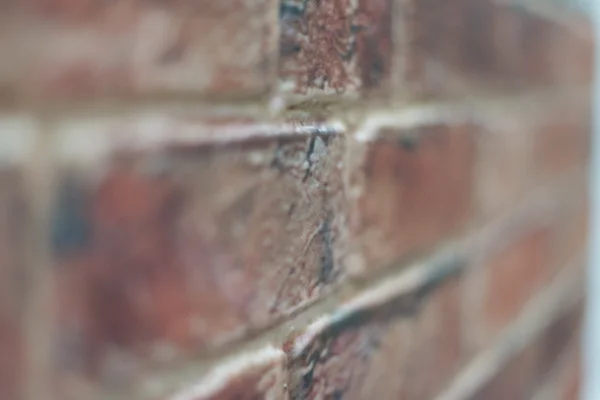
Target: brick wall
(316, 199)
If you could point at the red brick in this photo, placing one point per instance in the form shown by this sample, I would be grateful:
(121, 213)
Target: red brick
(487, 41)
(410, 188)
(90, 49)
(258, 375)
(13, 284)
(513, 276)
(369, 353)
(176, 250)
(335, 46)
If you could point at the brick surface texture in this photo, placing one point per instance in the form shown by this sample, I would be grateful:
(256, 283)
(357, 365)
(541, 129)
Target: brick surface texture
(294, 199)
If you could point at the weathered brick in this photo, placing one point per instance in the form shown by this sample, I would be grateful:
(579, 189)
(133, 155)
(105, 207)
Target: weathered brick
(379, 352)
(91, 49)
(257, 375)
(410, 187)
(335, 46)
(352, 363)
(513, 275)
(178, 249)
(492, 42)
(13, 284)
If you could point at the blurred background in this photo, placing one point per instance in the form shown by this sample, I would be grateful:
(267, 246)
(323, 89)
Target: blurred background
(299, 199)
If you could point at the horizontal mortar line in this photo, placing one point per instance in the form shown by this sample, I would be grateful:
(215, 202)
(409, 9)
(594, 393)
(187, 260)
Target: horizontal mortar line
(264, 106)
(480, 112)
(86, 138)
(399, 280)
(549, 385)
(560, 297)
(90, 139)
(252, 105)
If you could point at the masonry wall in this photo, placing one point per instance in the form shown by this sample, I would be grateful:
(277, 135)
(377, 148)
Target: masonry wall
(312, 199)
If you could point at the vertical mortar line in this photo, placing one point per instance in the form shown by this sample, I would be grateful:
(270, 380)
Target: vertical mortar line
(39, 310)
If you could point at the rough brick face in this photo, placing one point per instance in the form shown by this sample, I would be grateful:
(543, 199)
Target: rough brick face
(412, 188)
(355, 354)
(350, 364)
(334, 46)
(169, 260)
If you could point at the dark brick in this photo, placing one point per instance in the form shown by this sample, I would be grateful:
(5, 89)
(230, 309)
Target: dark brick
(335, 46)
(360, 353)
